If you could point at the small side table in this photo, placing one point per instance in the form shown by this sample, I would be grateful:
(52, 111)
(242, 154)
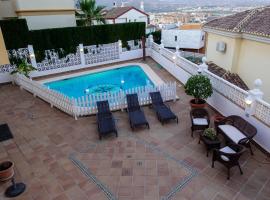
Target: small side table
(209, 144)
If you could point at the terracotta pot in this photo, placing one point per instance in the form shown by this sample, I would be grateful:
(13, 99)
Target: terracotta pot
(218, 118)
(200, 104)
(6, 170)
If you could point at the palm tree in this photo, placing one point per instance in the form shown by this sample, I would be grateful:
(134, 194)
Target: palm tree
(91, 12)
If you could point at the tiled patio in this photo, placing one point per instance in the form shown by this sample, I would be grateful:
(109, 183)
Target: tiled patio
(62, 159)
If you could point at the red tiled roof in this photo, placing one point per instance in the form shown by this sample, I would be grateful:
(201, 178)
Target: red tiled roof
(118, 11)
(255, 21)
(228, 76)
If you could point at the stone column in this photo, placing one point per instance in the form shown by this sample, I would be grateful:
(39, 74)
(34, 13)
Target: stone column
(32, 56)
(81, 48)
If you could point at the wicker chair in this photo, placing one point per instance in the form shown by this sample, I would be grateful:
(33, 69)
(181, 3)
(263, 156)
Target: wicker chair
(237, 130)
(229, 156)
(199, 119)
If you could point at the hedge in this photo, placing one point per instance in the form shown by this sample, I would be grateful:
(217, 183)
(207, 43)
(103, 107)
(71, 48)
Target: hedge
(16, 36)
(156, 36)
(15, 33)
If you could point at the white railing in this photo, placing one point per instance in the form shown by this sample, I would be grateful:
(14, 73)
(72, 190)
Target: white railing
(56, 99)
(86, 105)
(227, 89)
(223, 87)
(187, 65)
(167, 53)
(262, 111)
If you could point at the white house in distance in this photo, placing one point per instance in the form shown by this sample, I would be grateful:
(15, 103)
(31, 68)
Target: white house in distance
(184, 39)
(126, 14)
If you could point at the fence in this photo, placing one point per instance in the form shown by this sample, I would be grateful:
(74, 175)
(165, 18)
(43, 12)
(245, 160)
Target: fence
(86, 105)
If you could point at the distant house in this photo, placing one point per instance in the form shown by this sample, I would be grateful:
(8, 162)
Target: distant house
(240, 44)
(184, 39)
(125, 14)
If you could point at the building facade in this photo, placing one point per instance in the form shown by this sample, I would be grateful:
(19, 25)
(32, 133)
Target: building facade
(126, 14)
(184, 39)
(3, 52)
(241, 44)
(40, 14)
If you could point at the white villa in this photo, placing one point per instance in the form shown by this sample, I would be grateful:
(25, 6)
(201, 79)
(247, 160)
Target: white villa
(126, 14)
(184, 39)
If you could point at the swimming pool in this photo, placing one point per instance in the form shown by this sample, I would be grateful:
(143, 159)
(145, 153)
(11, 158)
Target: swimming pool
(112, 80)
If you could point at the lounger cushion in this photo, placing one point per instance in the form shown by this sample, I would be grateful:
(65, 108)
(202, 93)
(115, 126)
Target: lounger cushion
(226, 150)
(165, 113)
(200, 121)
(106, 125)
(233, 133)
(137, 118)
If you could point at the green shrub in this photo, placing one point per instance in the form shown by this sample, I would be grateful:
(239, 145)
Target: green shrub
(156, 36)
(23, 68)
(15, 33)
(199, 86)
(210, 133)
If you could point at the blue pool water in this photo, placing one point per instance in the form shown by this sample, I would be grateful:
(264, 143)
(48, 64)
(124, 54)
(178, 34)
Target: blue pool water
(107, 81)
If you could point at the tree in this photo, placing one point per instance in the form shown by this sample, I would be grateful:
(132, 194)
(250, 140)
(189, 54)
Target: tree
(91, 12)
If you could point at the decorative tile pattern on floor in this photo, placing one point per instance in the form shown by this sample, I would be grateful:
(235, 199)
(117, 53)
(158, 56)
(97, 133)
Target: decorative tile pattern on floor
(131, 168)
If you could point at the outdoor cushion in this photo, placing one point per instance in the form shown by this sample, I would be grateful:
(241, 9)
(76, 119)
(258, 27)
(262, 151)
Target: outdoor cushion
(233, 133)
(226, 150)
(200, 121)
(138, 118)
(165, 113)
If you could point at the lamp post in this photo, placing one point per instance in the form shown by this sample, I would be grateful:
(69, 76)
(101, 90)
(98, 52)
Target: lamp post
(143, 47)
(203, 66)
(253, 95)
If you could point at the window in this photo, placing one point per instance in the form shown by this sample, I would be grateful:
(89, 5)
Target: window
(175, 38)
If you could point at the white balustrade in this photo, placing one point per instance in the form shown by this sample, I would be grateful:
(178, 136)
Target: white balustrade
(86, 105)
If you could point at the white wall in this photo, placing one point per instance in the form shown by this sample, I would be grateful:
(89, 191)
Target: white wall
(121, 20)
(44, 4)
(186, 39)
(50, 21)
(109, 21)
(7, 9)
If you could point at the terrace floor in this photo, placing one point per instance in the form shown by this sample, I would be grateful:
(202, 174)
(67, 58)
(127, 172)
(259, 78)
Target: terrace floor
(62, 159)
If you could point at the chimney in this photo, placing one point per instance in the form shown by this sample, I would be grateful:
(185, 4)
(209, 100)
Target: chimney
(114, 4)
(142, 6)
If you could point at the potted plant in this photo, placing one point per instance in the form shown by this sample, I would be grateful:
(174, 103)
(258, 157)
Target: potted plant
(23, 68)
(198, 86)
(210, 134)
(6, 170)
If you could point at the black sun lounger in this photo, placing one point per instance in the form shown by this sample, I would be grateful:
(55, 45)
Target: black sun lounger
(163, 112)
(135, 113)
(105, 120)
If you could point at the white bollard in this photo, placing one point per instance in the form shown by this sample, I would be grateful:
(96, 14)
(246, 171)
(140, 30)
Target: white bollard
(83, 63)
(32, 56)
